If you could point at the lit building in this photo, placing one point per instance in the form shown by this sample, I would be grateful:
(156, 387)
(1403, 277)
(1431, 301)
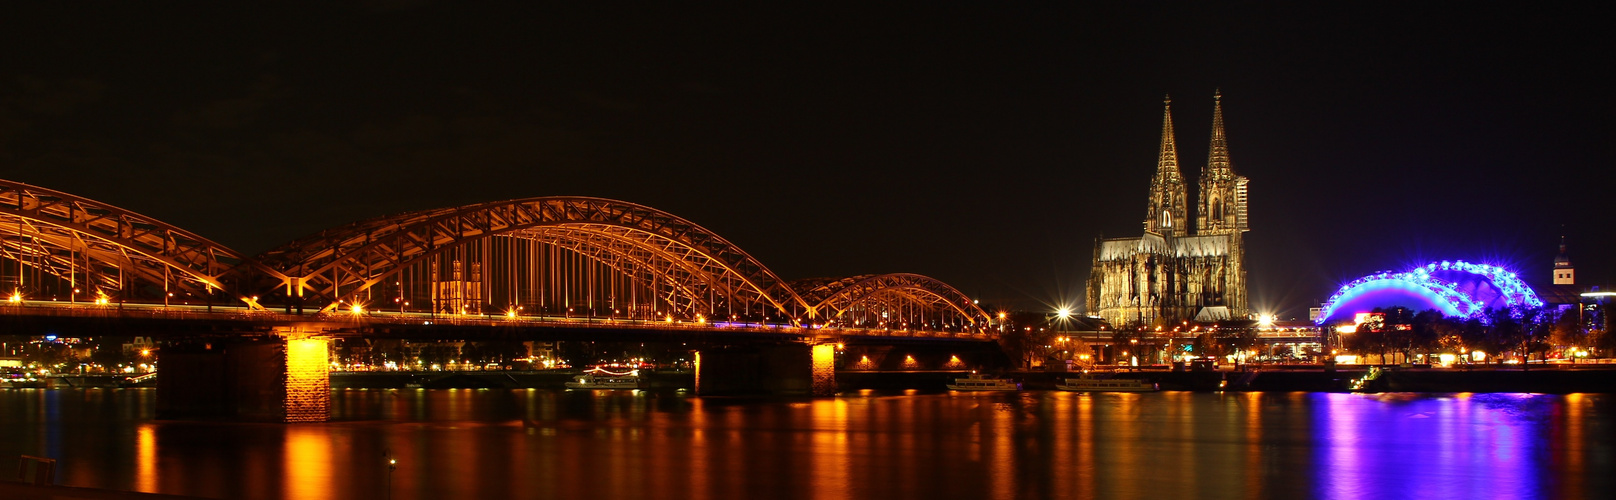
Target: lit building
(1169, 275)
(1455, 288)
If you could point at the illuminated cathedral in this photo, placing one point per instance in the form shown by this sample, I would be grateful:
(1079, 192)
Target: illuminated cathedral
(1170, 274)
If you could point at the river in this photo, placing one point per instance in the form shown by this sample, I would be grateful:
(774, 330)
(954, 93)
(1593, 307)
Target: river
(525, 443)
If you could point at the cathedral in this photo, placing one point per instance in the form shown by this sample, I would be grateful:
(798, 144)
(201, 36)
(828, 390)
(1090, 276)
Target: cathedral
(1170, 275)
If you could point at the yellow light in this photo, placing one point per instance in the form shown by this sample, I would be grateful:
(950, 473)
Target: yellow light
(145, 352)
(1347, 329)
(16, 297)
(510, 313)
(824, 369)
(357, 309)
(308, 386)
(1064, 313)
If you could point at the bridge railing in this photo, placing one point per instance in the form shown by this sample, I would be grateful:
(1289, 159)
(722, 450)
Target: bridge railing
(241, 314)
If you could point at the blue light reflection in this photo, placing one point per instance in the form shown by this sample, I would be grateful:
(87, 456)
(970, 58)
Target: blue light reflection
(1414, 446)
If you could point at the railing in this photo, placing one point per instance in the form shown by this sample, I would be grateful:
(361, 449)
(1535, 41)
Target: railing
(232, 313)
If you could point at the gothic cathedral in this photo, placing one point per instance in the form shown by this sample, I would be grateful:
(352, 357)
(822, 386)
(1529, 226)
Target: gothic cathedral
(1168, 275)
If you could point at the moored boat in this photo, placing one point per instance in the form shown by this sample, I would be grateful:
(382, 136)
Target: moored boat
(1091, 383)
(984, 382)
(600, 378)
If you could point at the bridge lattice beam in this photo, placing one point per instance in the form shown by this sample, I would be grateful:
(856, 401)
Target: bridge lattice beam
(834, 298)
(103, 246)
(353, 258)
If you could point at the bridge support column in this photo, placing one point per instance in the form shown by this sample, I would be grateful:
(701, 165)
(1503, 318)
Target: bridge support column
(824, 359)
(777, 370)
(274, 380)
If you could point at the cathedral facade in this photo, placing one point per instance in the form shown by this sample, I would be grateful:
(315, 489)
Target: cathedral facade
(1171, 274)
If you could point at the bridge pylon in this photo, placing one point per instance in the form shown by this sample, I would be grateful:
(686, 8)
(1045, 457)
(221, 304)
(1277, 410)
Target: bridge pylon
(283, 377)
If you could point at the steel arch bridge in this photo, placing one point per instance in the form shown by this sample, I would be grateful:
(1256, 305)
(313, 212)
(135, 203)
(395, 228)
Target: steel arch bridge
(582, 256)
(67, 246)
(545, 256)
(882, 300)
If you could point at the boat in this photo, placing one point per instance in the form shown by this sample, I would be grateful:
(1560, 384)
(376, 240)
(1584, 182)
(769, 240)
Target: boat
(600, 378)
(984, 382)
(21, 380)
(1091, 383)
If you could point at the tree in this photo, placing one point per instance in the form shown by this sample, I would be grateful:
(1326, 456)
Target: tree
(1024, 336)
(1424, 333)
(1566, 332)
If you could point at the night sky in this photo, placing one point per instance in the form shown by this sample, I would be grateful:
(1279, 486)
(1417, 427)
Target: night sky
(986, 146)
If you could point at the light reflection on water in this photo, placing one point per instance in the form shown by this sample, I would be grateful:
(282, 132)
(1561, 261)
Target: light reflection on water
(626, 444)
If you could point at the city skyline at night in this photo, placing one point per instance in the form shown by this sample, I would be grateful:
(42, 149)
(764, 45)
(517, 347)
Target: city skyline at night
(835, 143)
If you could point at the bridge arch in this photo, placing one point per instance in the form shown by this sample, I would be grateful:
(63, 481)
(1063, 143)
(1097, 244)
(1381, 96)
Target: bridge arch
(890, 300)
(53, 243)
(556, 254)
(1457, 288)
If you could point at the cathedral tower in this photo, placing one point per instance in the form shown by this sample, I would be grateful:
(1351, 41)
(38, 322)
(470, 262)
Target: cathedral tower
(1222, 207)
(1168, 276)
(1168, 212)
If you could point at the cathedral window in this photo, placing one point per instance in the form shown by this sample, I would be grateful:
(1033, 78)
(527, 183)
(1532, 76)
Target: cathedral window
(1217, 209)
(1167, 218)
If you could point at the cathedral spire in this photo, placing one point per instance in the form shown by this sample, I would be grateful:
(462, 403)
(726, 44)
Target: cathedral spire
(1218, 159)
(1167, 166)
(1168, 212)
(1222, 207)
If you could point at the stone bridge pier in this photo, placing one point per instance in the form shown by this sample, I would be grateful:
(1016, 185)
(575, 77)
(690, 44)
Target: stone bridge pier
(280, 378)
(787, 369)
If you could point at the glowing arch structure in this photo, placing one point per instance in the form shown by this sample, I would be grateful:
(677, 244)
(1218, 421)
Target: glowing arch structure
(95, 247)
(1457, 288)
(864, 300)
(692, 268)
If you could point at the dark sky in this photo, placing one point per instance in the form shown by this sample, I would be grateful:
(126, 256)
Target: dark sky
(987, 146)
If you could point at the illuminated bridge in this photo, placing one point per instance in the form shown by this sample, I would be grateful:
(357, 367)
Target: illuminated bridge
(543, 268)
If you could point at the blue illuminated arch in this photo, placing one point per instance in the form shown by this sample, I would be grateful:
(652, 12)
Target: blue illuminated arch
(1457, 288)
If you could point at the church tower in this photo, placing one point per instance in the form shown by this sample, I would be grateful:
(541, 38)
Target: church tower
(1168, 212)
(1564, 274)
(1222, 207)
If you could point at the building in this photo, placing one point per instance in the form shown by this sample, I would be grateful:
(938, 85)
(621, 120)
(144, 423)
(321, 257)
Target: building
(1170, 274)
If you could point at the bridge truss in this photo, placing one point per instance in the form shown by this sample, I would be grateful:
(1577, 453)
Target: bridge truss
(581, 257)
(892, 301)
(55, 245)
(554, 255)
(549, 256)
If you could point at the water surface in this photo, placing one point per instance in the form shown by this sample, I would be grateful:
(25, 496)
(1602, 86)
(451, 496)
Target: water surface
(629, 444)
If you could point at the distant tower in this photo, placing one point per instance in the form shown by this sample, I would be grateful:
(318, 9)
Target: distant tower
(1222, 207)
(1169, 208)
(1564, 274)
